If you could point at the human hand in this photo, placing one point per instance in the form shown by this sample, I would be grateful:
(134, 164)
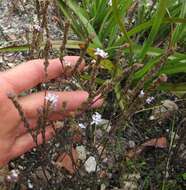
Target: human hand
(14, 138)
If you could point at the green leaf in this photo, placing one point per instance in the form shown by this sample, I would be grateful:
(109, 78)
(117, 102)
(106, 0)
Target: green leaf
(174, 67)
(184, 176)
(139, 28)
(147, 67)
(176, 63)
(118, 92)
(71, 44)
(175, 88)
(78, 12)
(157, 20)
(88, 77)
(14, 48)
(120, 22)
(107, 64)
(180, 28)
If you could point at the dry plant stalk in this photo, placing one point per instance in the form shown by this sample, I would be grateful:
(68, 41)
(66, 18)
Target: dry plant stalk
(63, 46)
(35, 42)
(64, 41)
(14, 100)
(82, 55)
(134, 99)
(95, 69)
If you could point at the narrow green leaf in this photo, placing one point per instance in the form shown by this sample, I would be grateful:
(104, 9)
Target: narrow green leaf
(147, 67)
(120, 23)
(146, 25)
(178, 87)
(180, 27)
(71, 44)
(157, 20)
(86, 24)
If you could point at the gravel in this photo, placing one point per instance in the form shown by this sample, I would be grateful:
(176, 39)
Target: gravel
(17, 19)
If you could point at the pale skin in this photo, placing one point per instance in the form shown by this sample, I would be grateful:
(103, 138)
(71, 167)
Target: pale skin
(14, 138)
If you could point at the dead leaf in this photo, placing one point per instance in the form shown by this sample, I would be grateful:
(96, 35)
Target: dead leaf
(156, 142)
(160, 142)
(65, 161)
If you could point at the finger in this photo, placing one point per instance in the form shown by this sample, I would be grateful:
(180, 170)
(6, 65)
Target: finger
(72, 101)
(23, 130)
(31, 73)
(33, 122)
(25, 143)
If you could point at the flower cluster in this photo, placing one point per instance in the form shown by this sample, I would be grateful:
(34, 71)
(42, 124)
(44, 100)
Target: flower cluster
(150, 99)
(52, 99)
(13, 176)
(37, 28)
(96, 119)
(101, 53)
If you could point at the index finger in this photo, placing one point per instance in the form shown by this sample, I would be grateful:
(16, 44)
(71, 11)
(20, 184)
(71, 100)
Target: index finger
(31, 73)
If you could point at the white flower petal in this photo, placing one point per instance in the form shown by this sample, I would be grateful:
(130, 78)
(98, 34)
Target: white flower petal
(82, 126)
(142, 93)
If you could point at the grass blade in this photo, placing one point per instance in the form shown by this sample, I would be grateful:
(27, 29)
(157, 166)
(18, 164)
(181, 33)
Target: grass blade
(86, 24)
(157, 20)
(120, 23)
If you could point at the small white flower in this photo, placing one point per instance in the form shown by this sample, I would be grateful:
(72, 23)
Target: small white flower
(57, 145)
(101, 53)
(142, 93)
(131, 144)
(13, 176)
(96, 119)
(133, 20)
(167, 130)
(67, 63)
(20, 167)
(30, 185)
(15, 173)
(37, 28)
(90, 164)
(82, 126)
(93, 61)
(8, 178)
(152, 117)
(150, 99)
(52, 99)
(110, 2)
